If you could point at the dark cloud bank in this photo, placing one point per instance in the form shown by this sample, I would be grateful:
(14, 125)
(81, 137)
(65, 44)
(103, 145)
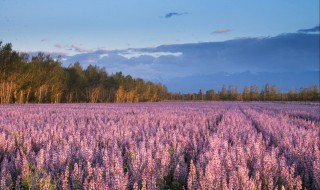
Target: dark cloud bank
(287, 60)
(314, 29)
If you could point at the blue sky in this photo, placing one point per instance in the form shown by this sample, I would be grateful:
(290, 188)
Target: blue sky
(37, 25)
(183, 44)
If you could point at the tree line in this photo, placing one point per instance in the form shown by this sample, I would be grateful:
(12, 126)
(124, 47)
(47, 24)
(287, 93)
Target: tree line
(42, 79)
(251, 93)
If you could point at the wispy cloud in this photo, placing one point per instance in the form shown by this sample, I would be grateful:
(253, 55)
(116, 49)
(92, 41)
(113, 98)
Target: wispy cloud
(136, 54)
(171, 14)
(221, 31)
(79, 49)
(314, 29)
(72, 47)
(58, 46)
(43, 40)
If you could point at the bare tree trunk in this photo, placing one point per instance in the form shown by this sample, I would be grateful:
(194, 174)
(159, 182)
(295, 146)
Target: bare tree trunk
(1, 92)
(40, 93)
(70, 97)
(21, 97)
(28, 95)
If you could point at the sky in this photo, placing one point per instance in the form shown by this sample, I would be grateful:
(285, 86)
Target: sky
(37, 25)
(122, 35)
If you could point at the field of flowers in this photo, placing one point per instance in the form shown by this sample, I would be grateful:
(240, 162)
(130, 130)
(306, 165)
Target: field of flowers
(160, 146)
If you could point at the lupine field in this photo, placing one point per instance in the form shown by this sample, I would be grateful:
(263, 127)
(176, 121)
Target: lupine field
(160, 146)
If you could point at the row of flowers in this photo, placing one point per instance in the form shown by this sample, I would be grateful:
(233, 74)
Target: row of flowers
(160, 146)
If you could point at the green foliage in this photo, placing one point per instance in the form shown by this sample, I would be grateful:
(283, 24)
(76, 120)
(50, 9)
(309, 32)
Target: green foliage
(267, 93)
(44, 80)
(37, 179)
(169, 182)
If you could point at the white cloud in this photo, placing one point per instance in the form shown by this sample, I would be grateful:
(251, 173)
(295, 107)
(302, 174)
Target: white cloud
(135, 54)
(103, 55)
(80, 49)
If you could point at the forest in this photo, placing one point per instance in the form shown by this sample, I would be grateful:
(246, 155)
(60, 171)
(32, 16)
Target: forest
(42, 79)
(251, 93)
